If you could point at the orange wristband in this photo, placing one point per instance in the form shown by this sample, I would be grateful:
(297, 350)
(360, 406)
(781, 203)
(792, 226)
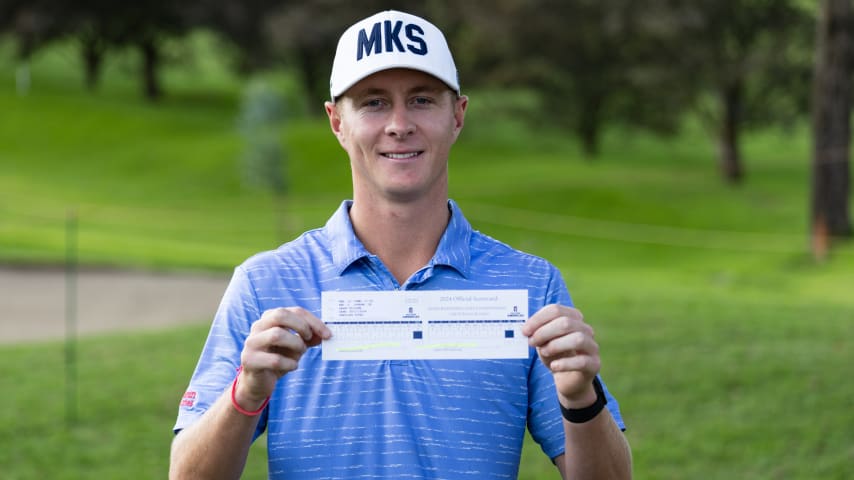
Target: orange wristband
(240, 409)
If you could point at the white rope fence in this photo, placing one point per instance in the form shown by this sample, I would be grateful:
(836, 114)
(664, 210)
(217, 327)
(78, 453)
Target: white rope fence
(635, 232)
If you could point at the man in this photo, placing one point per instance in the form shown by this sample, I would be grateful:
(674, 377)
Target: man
(396, 110)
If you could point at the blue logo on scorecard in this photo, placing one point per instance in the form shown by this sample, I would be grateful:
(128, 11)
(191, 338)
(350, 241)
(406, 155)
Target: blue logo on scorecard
(386, 37)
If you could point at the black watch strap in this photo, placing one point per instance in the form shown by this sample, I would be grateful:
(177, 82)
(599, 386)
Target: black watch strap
(581, 415)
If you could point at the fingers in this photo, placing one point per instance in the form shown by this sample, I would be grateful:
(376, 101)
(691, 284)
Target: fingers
(299, 320)
(572, 343)
(553, 321)
(287, 332)
(566, 346)
(278, 340)
(274, 362)
(575, 362)
(274, 347)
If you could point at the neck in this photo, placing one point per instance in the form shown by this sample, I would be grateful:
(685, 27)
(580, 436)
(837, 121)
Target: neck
(403, 235)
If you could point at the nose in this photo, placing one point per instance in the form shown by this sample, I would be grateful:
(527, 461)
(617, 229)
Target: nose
(400, 124)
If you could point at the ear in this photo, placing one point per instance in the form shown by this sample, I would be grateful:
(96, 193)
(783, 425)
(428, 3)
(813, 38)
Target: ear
(334, 119)
(460, 106)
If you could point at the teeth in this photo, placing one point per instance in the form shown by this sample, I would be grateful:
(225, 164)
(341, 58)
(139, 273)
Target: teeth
(401, 156)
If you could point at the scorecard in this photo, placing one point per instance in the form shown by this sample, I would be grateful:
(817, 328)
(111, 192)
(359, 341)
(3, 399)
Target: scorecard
(425, 324)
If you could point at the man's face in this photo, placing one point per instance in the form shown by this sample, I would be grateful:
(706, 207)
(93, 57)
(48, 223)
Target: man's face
(398, 126)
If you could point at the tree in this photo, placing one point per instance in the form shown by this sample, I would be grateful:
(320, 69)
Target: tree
(744, 53)
(741, 62)
(306, 34)
(31, 23)
(97, 26)
(831, 126)
(100, 25)
(244, 24)
(593, 62)
(143, 25)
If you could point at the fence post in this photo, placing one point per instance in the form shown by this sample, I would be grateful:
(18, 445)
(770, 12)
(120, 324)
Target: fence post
(71, 318)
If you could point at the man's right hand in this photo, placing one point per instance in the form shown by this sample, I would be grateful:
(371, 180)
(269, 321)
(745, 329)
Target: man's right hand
(273, 348)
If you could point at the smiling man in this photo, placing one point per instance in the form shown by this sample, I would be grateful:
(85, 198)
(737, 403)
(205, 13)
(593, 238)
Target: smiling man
(396, 109)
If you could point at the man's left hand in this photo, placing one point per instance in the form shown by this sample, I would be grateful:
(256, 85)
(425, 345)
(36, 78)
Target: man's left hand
(566, 346)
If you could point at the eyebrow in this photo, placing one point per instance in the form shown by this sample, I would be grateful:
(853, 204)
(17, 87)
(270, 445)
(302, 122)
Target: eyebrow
(370, 91)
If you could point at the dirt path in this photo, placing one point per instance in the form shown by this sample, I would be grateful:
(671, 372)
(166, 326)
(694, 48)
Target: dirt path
(32, 301)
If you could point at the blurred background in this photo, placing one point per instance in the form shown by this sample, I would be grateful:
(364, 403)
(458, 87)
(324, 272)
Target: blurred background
(686, 164)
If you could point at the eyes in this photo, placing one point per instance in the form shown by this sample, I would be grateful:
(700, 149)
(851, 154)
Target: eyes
(379, 103)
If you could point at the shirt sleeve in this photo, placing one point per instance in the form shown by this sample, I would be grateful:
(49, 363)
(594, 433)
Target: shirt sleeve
(545, 421)
(220, 357)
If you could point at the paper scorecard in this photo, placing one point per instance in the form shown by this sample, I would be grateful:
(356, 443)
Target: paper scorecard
(425, 324)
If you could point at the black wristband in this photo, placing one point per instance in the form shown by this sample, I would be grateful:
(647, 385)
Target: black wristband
(581, 415)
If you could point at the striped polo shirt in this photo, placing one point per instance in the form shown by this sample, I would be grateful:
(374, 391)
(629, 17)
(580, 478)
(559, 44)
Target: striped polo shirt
(399, 419)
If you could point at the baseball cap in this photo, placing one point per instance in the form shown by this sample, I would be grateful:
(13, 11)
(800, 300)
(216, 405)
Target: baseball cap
(391, 39)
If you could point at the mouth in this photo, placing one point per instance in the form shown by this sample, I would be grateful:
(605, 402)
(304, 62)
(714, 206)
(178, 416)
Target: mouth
(402, 155)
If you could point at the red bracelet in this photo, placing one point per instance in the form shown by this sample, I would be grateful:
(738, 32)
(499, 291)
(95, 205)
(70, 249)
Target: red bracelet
(238, 407)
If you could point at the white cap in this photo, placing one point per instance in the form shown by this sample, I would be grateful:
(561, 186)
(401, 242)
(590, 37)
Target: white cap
(391, 39)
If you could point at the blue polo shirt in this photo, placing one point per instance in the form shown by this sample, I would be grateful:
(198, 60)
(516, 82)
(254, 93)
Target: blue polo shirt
(424, 419)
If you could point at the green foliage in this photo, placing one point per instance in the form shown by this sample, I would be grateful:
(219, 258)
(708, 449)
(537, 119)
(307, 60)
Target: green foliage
(128, 389)
(726, 346)
(712, 386)
(262, 118)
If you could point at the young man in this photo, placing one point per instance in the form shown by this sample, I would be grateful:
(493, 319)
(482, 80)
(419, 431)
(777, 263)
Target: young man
(396, 110)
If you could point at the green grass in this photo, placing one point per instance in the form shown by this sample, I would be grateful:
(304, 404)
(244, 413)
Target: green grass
(727, 346)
